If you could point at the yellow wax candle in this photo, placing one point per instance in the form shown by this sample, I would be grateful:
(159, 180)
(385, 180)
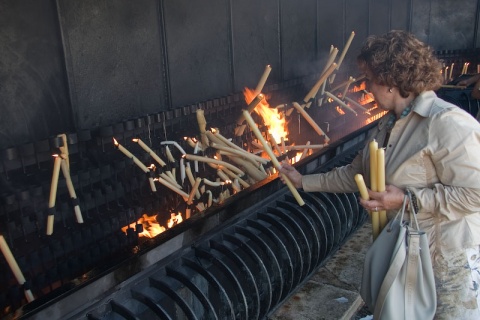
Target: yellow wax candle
(150, 151)
(54, 185)
(362, 187)
(381, 183)
(373, 147)
(345, 49)
(270, 153)
(71, 191)
(194, 190)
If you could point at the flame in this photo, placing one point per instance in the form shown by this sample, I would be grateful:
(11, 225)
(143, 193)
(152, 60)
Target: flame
(272, 118)
(115, 142)
(151, 227)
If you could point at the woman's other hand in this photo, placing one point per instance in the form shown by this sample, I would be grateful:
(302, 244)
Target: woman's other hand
(390, 199)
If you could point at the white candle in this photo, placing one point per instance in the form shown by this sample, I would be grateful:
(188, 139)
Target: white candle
(164, 143)
(345, 49)
(381, 184)
(270, 153)
(182, 170)
(169, 154)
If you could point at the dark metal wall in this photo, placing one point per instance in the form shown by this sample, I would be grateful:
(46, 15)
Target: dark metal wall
(72, 65)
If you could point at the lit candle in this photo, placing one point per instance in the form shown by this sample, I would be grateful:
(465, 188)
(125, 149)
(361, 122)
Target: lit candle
(361, 186)
(210, 198)
(213, 183)
(137, 162)
(270, 153)
(53, 192)
(310, 120)
(340, 102)
(150, 152)
(274, 143)
(305, 150)
(71, 191)
(191, 179)
(251, 106)
(381, 183)
(263, 79)
(14, 267)
(305, 146)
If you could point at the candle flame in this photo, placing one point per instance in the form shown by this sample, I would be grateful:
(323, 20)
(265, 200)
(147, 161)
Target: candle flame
(135, 139)
(271, 116)
(115, 142)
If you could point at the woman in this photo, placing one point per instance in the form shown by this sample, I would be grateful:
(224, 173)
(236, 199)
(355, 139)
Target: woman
(432, 148)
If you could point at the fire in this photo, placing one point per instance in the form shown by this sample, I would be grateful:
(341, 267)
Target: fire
(272, 118)
(151, 227)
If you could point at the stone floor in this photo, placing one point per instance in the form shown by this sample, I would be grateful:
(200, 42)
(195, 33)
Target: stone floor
(333, 291)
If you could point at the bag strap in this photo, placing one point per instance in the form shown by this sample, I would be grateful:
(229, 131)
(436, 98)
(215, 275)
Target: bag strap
(411, 275)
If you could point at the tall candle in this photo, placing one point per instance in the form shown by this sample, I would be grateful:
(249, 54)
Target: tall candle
(345, 49)
(373, 147)
(219, 162)
(14, 267)
(194, 190)
(167, 184)
(53, 193)
(381, 184)
(182, 170)
(71, 191)
(310, 120)
(270, 153)
(263, 79)
(169, 154)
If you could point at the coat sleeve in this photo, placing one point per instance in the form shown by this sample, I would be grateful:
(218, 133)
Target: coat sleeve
(339, 179)
(455, 151)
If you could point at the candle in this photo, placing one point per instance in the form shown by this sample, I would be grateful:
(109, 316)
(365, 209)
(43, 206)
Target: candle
(361, 186)
(210, 198)
(137, 162)
(164, 143)
(347, 85)
(345, 49)
(251, 106)
(150, 152)
(270, 153)
(274, 144)
(305, 146)
(355, 103)
(169, 154)
(202, 124)
(263, 79)
(71, 191)
(305, 150)
(233, 176)
(373, 147)
(246, 155)
(451, 70)
(194, 190)
(182, 170)
(381, 183)
(54, 185)
(219, 162)
(310, 120)
(167, 184)
(14, 267)
(213, 183)
(53, 192)
(340, 102)
(313, 92)
(169, 179)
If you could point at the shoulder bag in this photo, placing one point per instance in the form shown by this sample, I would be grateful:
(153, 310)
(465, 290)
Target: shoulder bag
(398, 280)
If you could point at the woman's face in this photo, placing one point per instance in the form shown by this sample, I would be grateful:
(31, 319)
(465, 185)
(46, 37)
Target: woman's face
(382, 94)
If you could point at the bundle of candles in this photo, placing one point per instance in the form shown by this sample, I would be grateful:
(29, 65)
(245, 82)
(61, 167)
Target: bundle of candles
(377, 183)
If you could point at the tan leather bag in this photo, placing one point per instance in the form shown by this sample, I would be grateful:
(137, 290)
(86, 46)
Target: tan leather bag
(398, 281)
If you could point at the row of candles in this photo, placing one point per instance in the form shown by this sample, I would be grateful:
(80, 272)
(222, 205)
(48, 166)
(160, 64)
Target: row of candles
(250, 163)
(377, 183)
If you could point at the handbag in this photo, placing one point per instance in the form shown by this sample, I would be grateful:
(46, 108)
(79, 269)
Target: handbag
(398, 280)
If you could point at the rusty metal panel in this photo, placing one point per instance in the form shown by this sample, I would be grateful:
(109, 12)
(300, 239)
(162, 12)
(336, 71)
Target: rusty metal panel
(114, 59)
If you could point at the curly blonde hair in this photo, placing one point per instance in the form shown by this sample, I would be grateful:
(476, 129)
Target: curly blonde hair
(399, 59)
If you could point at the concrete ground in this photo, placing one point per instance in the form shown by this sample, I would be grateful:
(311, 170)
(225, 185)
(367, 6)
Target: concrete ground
(333, 291)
